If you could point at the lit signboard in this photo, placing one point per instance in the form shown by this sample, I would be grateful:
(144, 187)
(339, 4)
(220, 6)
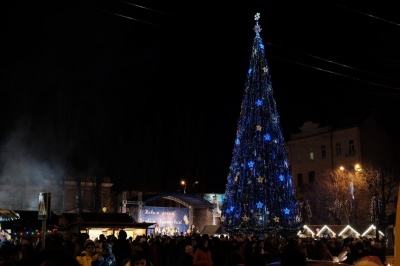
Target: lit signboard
(168, 220)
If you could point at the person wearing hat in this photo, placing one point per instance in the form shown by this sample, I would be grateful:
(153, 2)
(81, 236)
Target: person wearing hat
(88, 254)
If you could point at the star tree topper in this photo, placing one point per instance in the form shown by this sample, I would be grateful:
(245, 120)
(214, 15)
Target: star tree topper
(257, 27)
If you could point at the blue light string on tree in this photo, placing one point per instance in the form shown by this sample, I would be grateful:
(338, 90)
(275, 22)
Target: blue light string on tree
(259, 190)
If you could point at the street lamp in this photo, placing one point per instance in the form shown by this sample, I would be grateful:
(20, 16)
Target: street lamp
(354, 173)
(183, 183)
(357, 169)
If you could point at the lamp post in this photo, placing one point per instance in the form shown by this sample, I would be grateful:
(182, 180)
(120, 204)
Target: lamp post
(350, 175)
(183, 183)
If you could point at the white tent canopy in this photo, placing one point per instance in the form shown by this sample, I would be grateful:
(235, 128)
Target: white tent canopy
(8, 215)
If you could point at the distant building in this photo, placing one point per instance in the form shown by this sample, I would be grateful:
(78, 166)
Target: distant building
(319, 148)
(80, 194)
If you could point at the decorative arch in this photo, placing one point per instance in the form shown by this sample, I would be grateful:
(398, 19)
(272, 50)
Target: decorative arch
(187, 200)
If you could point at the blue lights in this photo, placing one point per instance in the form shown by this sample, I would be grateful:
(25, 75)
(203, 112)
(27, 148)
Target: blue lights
(286, 211)
(259, 184)
(237, 141)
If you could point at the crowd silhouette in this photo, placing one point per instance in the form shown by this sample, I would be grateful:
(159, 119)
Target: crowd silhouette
(62, 248)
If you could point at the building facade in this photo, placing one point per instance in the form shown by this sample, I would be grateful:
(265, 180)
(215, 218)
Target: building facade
(83, 194)
(317, 149)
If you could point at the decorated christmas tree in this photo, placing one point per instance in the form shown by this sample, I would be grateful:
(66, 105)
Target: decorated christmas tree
(259, 196)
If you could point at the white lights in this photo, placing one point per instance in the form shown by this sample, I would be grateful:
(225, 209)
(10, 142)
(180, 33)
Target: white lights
(347, 228)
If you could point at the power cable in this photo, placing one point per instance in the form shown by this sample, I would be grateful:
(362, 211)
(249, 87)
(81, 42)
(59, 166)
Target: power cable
(270, 44)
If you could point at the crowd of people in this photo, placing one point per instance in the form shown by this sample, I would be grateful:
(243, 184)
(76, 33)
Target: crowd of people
(62, 248)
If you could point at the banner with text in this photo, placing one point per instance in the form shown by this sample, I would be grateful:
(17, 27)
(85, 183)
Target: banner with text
(169, 220)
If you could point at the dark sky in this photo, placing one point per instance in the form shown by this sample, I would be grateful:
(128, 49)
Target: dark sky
(149, 92)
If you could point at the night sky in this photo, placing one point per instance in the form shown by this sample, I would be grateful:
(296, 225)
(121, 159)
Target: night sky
(149, 92)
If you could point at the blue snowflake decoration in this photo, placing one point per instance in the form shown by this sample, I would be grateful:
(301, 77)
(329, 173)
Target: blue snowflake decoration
(250, 164)
(286, 211)
(259, 205)
(267, 137)
(259, 102)
(250, 70)
(237, 141)
(261, 46)
(281, 177)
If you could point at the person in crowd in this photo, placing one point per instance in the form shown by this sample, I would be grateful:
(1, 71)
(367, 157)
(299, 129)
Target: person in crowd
(102, 238)
(218, 251)
(27, 250)
(12, 256)
(376, 249)
(106, 257)
(359, 251)
(79, 245)
(70, 241)
(321, 252)
(202, 256)
(138, 259)
(88, 255)
(369, 261)
(236, 255)
(4, 245)
(292, 254)
(99, 247)
(121, 247)
(154, 250)
(54, 257)
(187, 257)
(257, 258)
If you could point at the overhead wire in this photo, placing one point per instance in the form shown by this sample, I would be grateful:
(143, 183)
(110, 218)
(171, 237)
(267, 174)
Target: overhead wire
(270, 44)
(350, 77)
(366, 14)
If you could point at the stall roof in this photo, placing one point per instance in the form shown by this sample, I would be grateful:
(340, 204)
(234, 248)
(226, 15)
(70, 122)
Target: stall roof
(213, 230)
(28, 220)
(330, 229)
(8, 215)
